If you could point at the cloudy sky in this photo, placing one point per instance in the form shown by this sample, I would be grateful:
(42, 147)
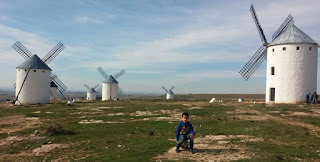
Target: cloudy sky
(198, 46)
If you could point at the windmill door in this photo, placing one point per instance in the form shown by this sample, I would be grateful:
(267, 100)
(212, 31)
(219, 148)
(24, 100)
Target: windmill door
(272, 94)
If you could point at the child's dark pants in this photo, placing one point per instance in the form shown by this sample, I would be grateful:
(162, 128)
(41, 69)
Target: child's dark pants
(183, 138)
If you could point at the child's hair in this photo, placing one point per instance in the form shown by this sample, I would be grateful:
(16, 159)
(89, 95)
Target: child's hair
(185, 113)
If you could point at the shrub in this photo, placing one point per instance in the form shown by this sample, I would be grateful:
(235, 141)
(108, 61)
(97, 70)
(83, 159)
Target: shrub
(57, 129)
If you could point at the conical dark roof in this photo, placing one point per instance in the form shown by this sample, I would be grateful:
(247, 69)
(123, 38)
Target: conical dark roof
(52, 84)
(170, 92)
(34, 62)
(292, 35)
(110, 80)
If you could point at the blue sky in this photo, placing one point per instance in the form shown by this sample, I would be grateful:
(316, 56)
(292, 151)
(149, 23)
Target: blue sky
(198, 46)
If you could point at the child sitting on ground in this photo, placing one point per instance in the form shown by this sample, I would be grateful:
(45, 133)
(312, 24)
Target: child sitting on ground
(185, 132)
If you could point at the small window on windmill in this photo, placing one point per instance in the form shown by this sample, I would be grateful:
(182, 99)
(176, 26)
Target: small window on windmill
(310, 48)
(35, 70)
(25, 70)
(284, 48)
(43, 71)
(298, 48)
(272, 49)
(272, 70)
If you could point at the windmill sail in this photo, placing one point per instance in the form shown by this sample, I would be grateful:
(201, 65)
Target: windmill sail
(53, 53)
(253, 64)
(95, 87)
(287, 22)
(85, 85)
(255, 18)
(61, 86)
(22, 50)
(120, 73)
(101, 71)
(165, 89)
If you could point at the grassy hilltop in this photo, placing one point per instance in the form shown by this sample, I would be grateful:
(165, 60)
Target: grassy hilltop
(144, 130)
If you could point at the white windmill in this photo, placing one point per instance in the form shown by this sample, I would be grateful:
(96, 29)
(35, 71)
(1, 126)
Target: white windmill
(34, 77)
(92, 92)
(292, 63)
(169, 95)
(110, 86)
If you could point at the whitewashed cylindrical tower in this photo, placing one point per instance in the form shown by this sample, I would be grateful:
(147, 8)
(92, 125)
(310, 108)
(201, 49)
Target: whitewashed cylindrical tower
(170, 96)
(33, 82)
(92, 95)
(291, 67)
(110, 89)
(53, 91)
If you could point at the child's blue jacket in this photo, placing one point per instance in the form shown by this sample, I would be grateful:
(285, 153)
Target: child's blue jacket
(184, 129)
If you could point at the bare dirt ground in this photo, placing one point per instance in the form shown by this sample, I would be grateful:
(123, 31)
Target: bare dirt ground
(17, 123)
(213, 148)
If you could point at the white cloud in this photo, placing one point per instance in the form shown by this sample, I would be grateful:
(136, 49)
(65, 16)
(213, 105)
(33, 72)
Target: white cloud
(100, 18)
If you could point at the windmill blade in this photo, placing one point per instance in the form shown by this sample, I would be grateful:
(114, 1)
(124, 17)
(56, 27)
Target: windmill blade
(288, 22)
(57, 81)
(99, 89)
(85, 85)
(120, 73)
(253, 64)
(101, 71)
(95, 87)
(165, 89)
(171, 88)
(53, 53)
(22, 50)
(61, 87)
(120, 91)
(255, 18)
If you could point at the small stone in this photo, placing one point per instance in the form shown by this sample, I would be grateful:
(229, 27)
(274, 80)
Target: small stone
(36, 132)
(119, 145)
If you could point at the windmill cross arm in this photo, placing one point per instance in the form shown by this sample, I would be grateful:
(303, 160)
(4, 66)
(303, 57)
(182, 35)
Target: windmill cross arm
(102, 72)
(120, 73)
(287, 22)
(22, 50)
(95, 87)
(53, 53)
(255, 18)
(165, 89)
(85, 85)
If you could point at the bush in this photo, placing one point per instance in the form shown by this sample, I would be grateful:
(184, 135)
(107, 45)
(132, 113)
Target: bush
(57, 129)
